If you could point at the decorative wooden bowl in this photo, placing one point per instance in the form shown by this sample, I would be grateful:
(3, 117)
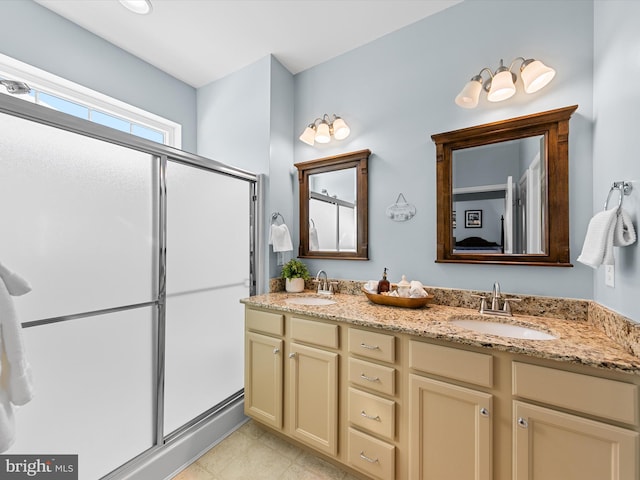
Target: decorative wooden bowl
(398, 301)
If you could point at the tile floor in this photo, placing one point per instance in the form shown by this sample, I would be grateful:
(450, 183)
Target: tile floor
(253, 453)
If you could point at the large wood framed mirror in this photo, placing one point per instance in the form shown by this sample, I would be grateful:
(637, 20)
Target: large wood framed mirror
(334, 221)
(503, 191)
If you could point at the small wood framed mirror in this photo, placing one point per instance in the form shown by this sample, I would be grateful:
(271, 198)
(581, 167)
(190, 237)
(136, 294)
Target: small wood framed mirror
(334, 221)
(503, 191)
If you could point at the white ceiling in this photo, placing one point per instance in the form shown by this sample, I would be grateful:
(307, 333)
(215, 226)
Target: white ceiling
(199, 41)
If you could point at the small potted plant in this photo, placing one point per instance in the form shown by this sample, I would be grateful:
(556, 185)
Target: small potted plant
(295, 273)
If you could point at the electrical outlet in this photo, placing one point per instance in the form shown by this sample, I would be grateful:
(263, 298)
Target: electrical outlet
(609, 276)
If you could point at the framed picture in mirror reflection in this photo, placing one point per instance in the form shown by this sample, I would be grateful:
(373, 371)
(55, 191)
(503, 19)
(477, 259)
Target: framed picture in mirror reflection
(473, 218)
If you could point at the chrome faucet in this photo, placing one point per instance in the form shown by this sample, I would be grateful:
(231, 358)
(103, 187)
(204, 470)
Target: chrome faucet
(495, 297)
(324, 286)
(495, 309)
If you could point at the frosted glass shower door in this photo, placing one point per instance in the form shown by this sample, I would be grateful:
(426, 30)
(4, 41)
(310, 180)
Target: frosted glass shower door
(77, 219)
(208, 271)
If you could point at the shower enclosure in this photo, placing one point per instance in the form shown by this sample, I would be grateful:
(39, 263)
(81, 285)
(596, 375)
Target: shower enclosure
(137, 254)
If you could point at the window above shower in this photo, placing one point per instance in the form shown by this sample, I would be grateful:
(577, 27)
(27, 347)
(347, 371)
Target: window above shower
(65, 96)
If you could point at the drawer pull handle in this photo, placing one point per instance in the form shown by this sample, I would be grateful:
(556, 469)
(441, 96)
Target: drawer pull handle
(484, 412)
(370, 347)
(292, 355)
(523, 423)
(370, 460)
(370, 417)
(369, 379)
(276, 351)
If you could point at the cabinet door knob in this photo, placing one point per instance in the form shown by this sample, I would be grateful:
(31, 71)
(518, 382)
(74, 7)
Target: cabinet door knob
(484, 412)
(523, 423)
(292, 355)
(276, 351)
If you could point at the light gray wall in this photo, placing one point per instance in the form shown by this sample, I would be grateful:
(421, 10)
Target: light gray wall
(615, 147)
(34, 35)
(245, 119)
(233, 118)
(283, 176)
(397, 91)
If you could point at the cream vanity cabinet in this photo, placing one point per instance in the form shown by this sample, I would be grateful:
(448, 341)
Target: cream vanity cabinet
(450, 426)
(298, 371)
(371, 403)
(263, 367)
(313, 384)
(549, 442)
(394, 406)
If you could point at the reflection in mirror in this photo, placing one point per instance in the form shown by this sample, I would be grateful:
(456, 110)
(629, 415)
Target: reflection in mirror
(506, 183)
(333, 211)
(503, 191)
(333, 207)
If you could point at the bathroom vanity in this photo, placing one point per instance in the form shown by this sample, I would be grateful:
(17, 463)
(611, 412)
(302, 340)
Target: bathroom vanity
(396, 393)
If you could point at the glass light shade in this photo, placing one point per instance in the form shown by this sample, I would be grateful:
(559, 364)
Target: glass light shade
(340, 129)
(502, 87)
(141, 7)
(536, 75)
(322, 133)
(470, 94)
(308, 136)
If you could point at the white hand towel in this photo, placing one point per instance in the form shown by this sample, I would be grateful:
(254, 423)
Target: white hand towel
(281, 238)
(16, 384)
(598, 243)
(416, 289)
(314, 245)
(624, 234)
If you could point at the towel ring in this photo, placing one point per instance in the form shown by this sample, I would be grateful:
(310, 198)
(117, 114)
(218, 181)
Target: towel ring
(623, 188)
(313, 224)
(274, 217)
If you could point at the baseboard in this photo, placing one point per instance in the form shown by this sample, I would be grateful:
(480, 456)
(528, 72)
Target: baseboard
(167, 461)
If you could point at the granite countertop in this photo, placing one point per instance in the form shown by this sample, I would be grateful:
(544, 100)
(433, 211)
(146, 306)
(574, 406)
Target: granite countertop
(578, 341)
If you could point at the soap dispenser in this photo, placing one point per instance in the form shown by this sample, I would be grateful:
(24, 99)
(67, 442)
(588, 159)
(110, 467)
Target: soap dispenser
(383, 285)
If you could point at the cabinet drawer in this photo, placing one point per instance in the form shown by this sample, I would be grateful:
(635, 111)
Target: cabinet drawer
(372, 376)
(470, 367)
(372, 413)
(582, 393)
(315, 333)
(270, 323)
(371, 455)
(378, 346)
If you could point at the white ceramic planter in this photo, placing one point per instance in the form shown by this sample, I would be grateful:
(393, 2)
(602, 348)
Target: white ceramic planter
(294, 285)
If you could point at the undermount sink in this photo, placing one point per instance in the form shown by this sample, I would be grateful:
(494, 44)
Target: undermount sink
(503, 329)
(309, 301)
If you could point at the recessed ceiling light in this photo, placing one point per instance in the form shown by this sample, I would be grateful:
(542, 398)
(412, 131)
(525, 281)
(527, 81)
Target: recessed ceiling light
(142, 7)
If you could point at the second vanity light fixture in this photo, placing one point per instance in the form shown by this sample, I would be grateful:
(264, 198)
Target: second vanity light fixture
(501, 84)
(323, 128)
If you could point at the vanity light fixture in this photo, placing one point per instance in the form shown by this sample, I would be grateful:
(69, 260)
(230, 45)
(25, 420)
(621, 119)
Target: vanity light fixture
(323, 128)
(501, 84)
(141, 7)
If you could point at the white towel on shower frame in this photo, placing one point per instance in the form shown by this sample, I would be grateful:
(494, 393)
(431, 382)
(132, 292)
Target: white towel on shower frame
(16, 384)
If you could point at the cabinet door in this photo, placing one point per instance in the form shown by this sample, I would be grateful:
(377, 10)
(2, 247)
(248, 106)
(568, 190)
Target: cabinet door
(263, 379)
(550, 444)
(313, 397)
(449, 431)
